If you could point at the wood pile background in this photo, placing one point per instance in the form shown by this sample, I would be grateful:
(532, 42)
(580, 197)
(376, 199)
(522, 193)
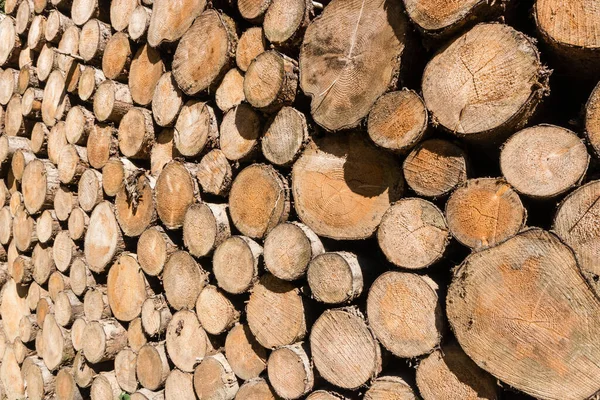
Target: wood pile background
(286, 199)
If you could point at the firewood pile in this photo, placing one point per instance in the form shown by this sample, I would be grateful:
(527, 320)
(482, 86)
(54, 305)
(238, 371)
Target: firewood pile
(291, 199)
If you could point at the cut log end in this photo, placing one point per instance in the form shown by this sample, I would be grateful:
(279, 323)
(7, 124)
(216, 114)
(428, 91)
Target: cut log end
(335, 277)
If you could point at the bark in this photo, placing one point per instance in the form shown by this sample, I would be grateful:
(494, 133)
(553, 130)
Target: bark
(186, 341)
(215, 311)
(235, 264)
(214, 379)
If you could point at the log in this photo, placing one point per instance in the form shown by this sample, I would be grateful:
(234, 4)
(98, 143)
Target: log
(117, 57)
(14, 123)
(484, 212)
(515, 71)
(16, 203)
(136, 337)
(170, 21)
(66, 388)
(139, 22)
(286, 20)
(247, 358)
(24, 17)
(205, 52)
(163, 151)
(574, 223)
(205, 227)
(152, 366)
(64, 202)
(24, 233)
(127, 288)
(56, 25)
(289, 248)
(44, 307)
(77, 333)
(102, 144)
(105, 387)
(413, 234)
(145, 394)
(252, 43)
(179, 385)
(67, 308)
(230, 92)
(72, 162)
(10, 373)
(328, 82)
(343, 185)
(335, 277)
(450, 372)
(28, 328)
(175, 190)
(83, 372)
(253, 10)
(89, 81)
(195, 129)
(81, 277)
(544, 161)
(103, 340)
(491, 314)
(285, 136)
(12, 309)
(28, 79)
(343, 348)
(61, 351)
(154, 248)
(84, 10)
(183, 280)
(10, 44)
(40, 183)
(112, 101)
(290, 371)
(64, 251)
(89, 192)
(167, 100)
(121, 12)
(270, 95)
(235, 264)
(43, 263)
(103, 238)
(325, 395)
(240, 130)
(398, 121)
(186, 341)
(95, 304)
(78, 223)
(57, 282)
(156, 315)
(134, 206)
(79, 124)
(115, 173)
(147, 67)
(20, 159)
(257, 389)
(214, 379)
(40, 381)
(10, 6)
(9, 145)
(136, 133)
(125, 365)
(390, 386)
(34, 293)
(36, 37)
(214, 173)
(57, 139)
(215, 311)
(276, 313)
(9, 80)
(31, 108)
(56, 101)
(22, 270)
(592, 120)
(259, 200)
(435, 168)
(45, 62)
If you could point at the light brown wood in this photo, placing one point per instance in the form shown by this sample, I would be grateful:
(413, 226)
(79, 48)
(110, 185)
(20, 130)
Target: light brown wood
(81, 277)
(147, 67)
(125, 364)
(24, 232)
(285, 136)
(56, 25)
(40, 182)
(252, 43)
(187, 342)
(112, 101)
(183, 280)
(175, 190)
(134, 206)
(235, 264)
(136, 337)
(57, 139)
(195, 129)
(127, 288)
(102, 144)
(390, 386)
(136, 133)
(103, 238)
(40, 381)
(139, 22)
(256, 389)
(105, 387)
(103, 340)
(84, 10)
(10, 44)
(156, 315)
(79, 123)
(214, 173)
(64, 250)
(239, 133)
(154, 248)
(61, 352)
(56, 101)
(43, 263)
(170, 21)
(247, 358)
(162, 152)
(89, 194)
(72, 162)
(28, 79)
(31, 108)
(95, 304)
(83, 372)
(64, 202)
(120, 13)
(253, 10)
(205, 227)
(335, 277)
(290, 371)
(10, 374)
(89, 81)
(286, 20)
(152, 366)
(117, 57)
(215, 311)
(179, 385)
(231, 90)
(67, 308)
(115, 173)
(9, 78)
(214, 379)
(167, 101)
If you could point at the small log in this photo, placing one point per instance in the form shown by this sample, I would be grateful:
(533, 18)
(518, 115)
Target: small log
(57, 282)
(325, 395)
(22, 270)
(343, 348)
(102, 144)
(16, 203)
(45, 62)
(253, 10)
(89, 81)
(12, 308)
(136, 133)
(147, 67)
(136, 337)
(66, 388)
(31, 108)
(112, 101)
(391, 386)
(72, 162)
(214, 173)
(240, 130)
(544, 161)
(57, 139)
(117, 57)
(67, 308)
(28, 328)
(214, 379)
(276, 313)
(335, 277)
(10, 44)
(10, 7)
(43, 263)
(290, 371)
(77, 333)
(115, 173)
(79, 124)
(28, 79)
(103, 239)
(461, 376)
(162, 152)
(286, 20)
(196, 128)
(166, 101)
(61, 351)
(259, 200)
(152, 366)
(248, 359)
(183, 280)
(179, 385)
(83, 372)
(56, 101)
(484, 212)
(398, 120)
(64, 202)
(84, 10)
(256, 389)
(24, 17)
(187, 342)
(40, 381)
(44, 308)
(145, 394)
(9, 83)
(81, 277)
(270, 95)
(251, 44)
(285, 136)
(14, 123)
(139, 23)
(154, 248)
(170, 21)
(9, 145)
(135, 211)
(156, 315)
(19, 161)
(95, 304)
(24, 233)
(215, 311)
(125, 365)
(34, 293)
(205, 227)
(36, 36)
(10, 374)
(175, 190)
(235, 264)
(78, 223)
(40, 183)
(105, 387)
(204, 53)
(121, 12)
(56, 25)
(289, 248)
(127, 288)
(26, 57)
(64, 250)
(103, 340)
(231, 90)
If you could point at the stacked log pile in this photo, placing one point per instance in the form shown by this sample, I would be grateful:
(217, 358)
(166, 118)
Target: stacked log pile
(290, 199)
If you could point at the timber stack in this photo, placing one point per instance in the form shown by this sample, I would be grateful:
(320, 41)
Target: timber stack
(296, 199)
